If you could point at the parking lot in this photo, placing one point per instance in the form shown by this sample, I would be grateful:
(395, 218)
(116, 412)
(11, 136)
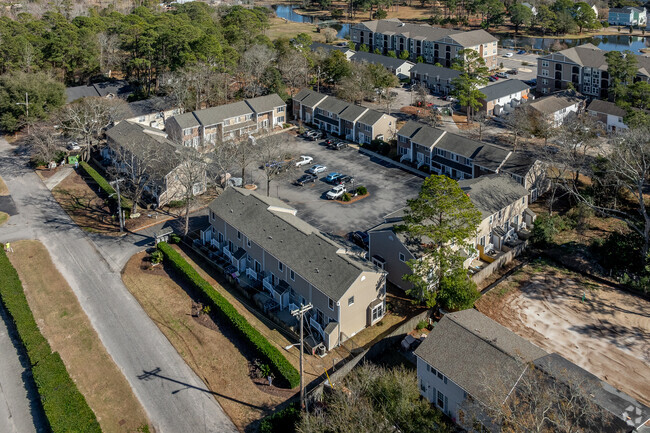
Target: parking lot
(388, 186)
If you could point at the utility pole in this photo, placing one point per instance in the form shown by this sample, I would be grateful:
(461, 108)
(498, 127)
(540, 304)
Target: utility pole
(119, 203)
(318, 80)
(295, 313)
(26, 104)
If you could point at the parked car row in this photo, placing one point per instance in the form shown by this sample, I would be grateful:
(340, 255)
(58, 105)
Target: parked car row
(335, 144)
(313, 135)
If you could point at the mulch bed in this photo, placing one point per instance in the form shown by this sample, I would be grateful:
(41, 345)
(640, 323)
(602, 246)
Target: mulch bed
(353, 199)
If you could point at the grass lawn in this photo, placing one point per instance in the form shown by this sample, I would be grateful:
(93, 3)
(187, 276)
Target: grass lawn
(3, 187)
(3, 218)
(68, 330)
(287, 29)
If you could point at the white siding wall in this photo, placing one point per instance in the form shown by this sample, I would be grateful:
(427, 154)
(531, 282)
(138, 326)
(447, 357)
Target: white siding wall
(453, 395)
(615, 122)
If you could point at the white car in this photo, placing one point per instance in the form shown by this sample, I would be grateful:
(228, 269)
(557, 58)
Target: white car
(317, 169)
(73, 145)
(304, 160)
(507, 55)
(336, 192)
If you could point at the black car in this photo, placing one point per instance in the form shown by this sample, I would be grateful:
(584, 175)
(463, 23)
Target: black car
(337, 145)
(343, 179)
(306, 178)
(359, 238)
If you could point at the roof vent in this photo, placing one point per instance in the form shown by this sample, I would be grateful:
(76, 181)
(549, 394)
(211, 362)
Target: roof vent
(316, 270)
(270, 237)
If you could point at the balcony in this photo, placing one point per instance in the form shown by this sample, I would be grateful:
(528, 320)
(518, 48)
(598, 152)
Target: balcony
(250, 273)
(407, 156)
(227, 253)
(314, 324)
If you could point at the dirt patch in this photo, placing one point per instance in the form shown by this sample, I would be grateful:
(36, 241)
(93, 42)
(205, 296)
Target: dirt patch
(46, 173)
(3, 187)
(3, 218)
(461, 122)
(85, 207)
(606, 333)
(68, 330)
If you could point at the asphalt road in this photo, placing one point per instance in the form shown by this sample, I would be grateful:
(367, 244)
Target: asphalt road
(174, 398)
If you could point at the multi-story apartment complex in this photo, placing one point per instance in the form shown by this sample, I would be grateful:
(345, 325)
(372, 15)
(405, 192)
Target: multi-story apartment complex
(296, 264)
(434, 44)
(203, 128)
(585, 67)
(333, 115)
(503, 204)
(627, 16)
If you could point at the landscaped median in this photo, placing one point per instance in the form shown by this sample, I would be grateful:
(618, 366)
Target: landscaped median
(217, 302)
(65, 407)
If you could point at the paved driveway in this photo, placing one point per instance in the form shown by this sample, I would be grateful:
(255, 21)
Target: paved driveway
(174, 398)
(389, 187)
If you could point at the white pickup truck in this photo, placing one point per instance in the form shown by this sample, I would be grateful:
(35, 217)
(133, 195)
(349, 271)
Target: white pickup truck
(336, 192)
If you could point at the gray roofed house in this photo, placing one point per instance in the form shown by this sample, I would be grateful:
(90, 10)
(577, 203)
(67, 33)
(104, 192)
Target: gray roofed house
(370, 117)
(312, 263)
(187, 120)
(108, 89)
(606, 107)
(503, 88)
(399, 67)
(266, 103)
(315, 46)
(472, 38)
(214, 115)
(467, 354)
(494, 192)
(433, 71)
(554, 103)
(151, 112)
(352, 112)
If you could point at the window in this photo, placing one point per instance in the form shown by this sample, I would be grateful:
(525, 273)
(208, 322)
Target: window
(350, 300)
(439, 375)
(330, 303)
(197, 188)
(544, 73)
(500, 213)
(441, 401)
(378, 312)
(402, 258)
(544, 81)
(428, 367)
(545, 63)
(523, 200)
(248, 242)
(280, 266)
(423, 387)
(238, 234)
(491, 218)
(292, 275)
(280, 109)
(434, 371)
(281, 119)
(187, 131)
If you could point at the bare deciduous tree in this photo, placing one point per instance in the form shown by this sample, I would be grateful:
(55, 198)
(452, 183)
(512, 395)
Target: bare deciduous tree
(191, 177)
(294, 68)
(252, 65)
(330, 34)
(43, 143)
(197, 86)
(87, 118)
(109, 48)
(275, 156)
(357, 86)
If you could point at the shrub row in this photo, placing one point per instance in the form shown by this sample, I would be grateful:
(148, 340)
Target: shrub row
(65, 407)
(217, 302)
(104, 185)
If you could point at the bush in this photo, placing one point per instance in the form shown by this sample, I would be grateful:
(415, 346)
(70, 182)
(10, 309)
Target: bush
(65, 407)
(362, 190)
(174, 238)
(421, 325)
(283, 421)
(546, 227)
(203, 289)
(104, 185)
(156, 257)
(346, 197)
(176, 203)
(620, 252)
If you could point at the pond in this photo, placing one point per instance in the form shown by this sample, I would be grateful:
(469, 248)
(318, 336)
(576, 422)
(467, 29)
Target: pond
(288, 13)
(604, 42)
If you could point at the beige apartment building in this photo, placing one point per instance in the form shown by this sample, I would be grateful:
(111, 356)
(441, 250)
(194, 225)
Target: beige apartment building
(296, 264)
(434, 44)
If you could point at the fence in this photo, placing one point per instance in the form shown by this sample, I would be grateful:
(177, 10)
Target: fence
(498, 263)
(394, 337)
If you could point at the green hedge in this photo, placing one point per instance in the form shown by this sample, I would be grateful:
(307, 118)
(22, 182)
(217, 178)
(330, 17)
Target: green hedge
(65, 407)
(265, 350)
(104, 185)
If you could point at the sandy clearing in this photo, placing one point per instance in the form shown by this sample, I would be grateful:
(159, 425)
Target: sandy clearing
(608, 334)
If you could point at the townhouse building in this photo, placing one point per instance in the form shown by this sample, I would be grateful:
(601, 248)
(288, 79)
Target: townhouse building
(469, 361)
(351, 121)
(585, 67)
(459, 157)
(504, 97)
(296, 264)
(627, 16)
(136, 143)
(434, 44)
(436, 78)
(608, 114)
(400, 68)
(204, 128)
(555, 109)
(151, 112)
(503, 204)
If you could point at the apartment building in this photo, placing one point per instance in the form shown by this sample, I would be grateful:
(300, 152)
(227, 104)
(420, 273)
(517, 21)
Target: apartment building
(469, 361)
(436, 78)
(203, 128)
(296, 264)
(503, 204)
(335, 116)
(434, 44)
(151, 112)
(555, 109)
(400, 68)
(610, 115)
(627, 16)
(585, 67)
(504, 97)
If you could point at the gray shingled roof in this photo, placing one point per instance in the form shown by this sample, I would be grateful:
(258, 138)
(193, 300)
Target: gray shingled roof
(370, 117)
(214, 115)
(388, 62)
(554, 103)
(333, 105)
(519, 162)
(435, 71)
(309, 97)
(606, 107)
(503, 88)
(315, 46)
(473, 38)
(187, 120)
(352, 112)
(491, 156)
(144, 107)
(478, 354)
(493, 192)
(133, 136)
(299, 246)
(266, 103)
(120, 88)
